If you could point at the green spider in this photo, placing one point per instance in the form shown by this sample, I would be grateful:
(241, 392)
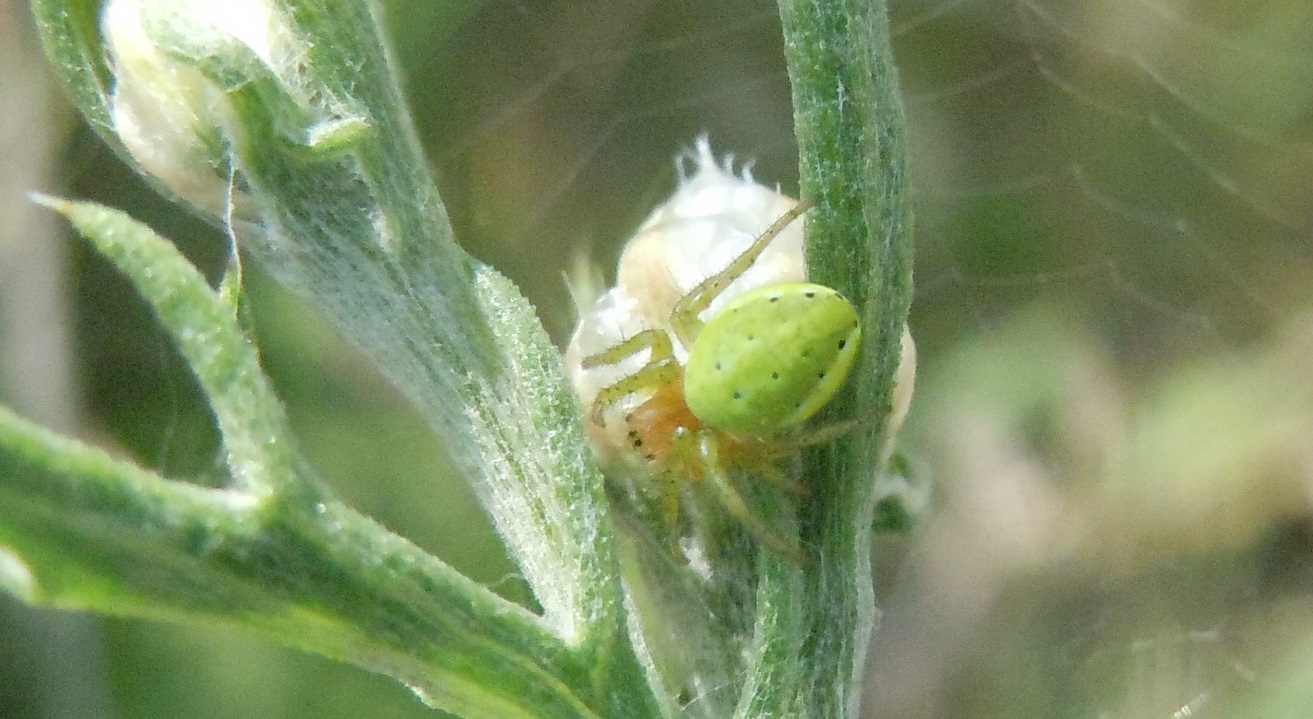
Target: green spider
(757, 369)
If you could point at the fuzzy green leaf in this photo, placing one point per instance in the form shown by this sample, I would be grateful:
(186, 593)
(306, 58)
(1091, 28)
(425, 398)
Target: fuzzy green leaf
(261, 455)
(319, 175)
(80, 530)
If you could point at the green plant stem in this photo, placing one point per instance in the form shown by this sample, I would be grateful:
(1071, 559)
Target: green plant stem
(852, 159)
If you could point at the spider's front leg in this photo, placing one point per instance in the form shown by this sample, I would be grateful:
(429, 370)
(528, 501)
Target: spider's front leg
(686, 319)
(709, 448)
(661, 369)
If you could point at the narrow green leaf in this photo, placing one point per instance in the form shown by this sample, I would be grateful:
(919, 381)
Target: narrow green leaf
(71, 38)
(261, 455)
(80, 530)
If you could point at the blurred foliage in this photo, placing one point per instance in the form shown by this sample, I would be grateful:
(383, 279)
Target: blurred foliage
(1113, 316)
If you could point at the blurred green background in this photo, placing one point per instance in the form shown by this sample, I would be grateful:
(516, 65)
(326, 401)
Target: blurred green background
(1115, 245)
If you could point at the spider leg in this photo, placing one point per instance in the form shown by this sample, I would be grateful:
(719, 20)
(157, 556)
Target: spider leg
(761, 457)
(732, 500)
(661, 368)
(651, 375)
(685, 319)
(655, 340)
(684, 463)
(828, 433)
(770, 472)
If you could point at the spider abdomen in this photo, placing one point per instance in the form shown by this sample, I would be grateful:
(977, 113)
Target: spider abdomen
(771, 358)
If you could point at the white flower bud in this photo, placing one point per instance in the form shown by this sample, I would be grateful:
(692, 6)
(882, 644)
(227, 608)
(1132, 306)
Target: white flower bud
(169, 115)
